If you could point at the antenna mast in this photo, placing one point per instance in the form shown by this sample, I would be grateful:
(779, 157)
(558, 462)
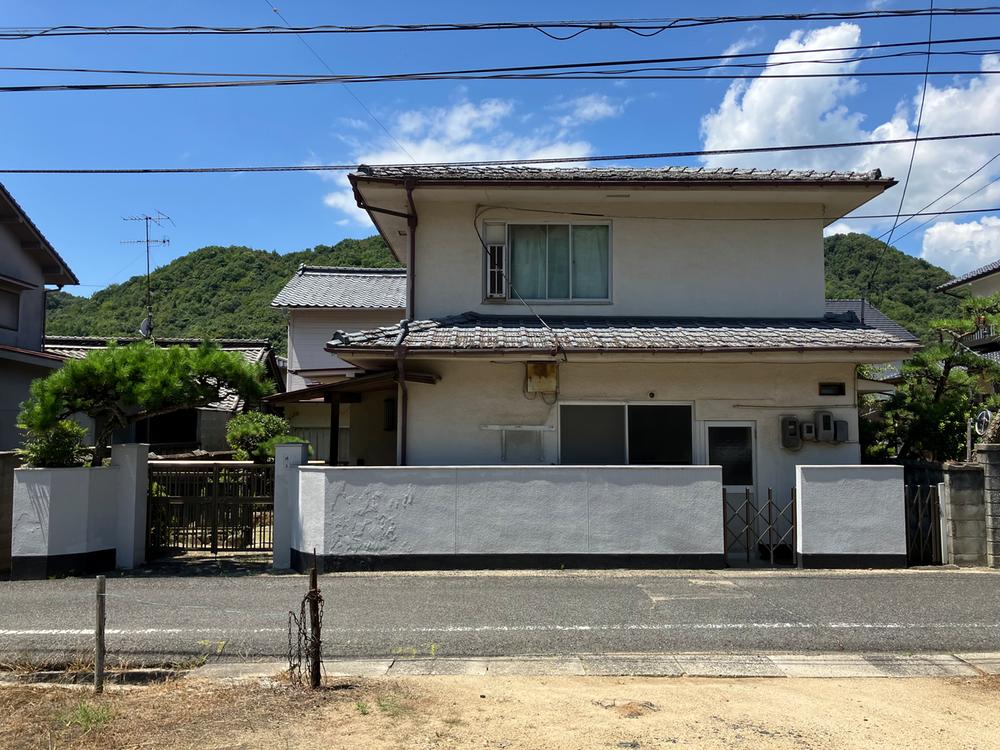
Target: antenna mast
(146, 328)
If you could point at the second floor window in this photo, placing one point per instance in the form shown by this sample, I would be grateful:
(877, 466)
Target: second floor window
(548, 261)
(10, 307)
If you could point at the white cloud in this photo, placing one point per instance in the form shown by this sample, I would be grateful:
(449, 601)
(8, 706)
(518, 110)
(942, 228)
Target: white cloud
(466, 131)
(838, 227)
(962, 247)
(766, 112)
(589, 108)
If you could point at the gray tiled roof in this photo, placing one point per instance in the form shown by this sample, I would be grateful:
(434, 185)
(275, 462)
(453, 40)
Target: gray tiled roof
(475, 332)
(77, 347)
(613, 174)
(978, 273)
(872, 315)
(347, 287)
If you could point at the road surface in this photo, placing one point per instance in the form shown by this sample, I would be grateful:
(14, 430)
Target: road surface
(245, 617)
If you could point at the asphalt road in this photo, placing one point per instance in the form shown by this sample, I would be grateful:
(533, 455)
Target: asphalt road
(493, 614)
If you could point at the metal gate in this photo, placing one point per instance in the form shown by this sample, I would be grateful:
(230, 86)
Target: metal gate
(758, 531)
(197, 505)
(923, 524)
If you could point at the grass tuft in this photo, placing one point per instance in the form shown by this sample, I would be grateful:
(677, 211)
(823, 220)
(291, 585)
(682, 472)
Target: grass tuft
(87, 716)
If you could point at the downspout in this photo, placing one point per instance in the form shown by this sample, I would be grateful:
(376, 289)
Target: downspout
(400, 347)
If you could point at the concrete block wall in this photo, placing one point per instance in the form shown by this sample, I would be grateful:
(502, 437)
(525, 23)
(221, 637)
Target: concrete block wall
(963, 514)
(988, 454)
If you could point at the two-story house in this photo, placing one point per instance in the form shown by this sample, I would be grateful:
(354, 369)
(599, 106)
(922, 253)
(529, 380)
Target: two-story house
(617, 316)
(28, 263)
(317, 301)
(980, 282)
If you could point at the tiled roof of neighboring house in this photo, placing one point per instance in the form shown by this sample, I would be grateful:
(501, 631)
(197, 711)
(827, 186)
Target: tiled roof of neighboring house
(978, 273)
(470, 332)
(55, 271)
(253, 350)
(872, 316)
(612, 174)
(344, 287)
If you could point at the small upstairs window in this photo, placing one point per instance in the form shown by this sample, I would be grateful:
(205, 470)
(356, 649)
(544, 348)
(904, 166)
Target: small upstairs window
(548, 262)
(10, 309)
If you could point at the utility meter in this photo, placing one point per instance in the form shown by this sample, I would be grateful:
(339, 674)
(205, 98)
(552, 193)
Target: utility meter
(791, 437)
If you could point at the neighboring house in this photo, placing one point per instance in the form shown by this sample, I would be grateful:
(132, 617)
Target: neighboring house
(317, 301)
(184, 429)
(28, 263)
(616, 316)
(982, 282)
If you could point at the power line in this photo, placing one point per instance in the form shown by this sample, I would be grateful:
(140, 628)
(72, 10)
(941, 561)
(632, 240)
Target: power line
(507, 162)
(948, 210)
(909, 166)
(592, 64)
(614, 74)
(947, 192)
(605, 76)
(640, 26)
(346, 87)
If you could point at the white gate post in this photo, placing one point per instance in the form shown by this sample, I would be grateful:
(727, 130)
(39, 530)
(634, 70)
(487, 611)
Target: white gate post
(132, 462)
(288, 458)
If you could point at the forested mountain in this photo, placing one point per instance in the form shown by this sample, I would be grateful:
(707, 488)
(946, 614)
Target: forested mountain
(903, 287)
(225, 292)
(214, 292)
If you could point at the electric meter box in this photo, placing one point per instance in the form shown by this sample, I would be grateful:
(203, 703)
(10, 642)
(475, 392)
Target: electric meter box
(824, 426)
(840, 431)
(791, 438)
(808, 430)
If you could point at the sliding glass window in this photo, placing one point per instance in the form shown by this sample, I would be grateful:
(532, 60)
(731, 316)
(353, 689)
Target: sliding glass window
(560, 261)
(615, 434)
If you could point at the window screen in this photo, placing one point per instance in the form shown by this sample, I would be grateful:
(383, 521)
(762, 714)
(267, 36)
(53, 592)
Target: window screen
(659, 434)
(592, 434)
(732, 449)
(10, 304)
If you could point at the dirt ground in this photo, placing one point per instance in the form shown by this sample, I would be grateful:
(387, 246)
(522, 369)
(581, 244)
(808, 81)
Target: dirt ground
(512, 712)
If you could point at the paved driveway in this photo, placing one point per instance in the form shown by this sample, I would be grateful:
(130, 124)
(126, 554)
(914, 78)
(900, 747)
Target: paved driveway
(488, 614)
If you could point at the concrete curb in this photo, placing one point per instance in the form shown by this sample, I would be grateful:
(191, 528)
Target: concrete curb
(837, 665)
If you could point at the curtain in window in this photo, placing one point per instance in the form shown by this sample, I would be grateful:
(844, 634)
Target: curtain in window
(590, 262)
(558, 263)
(527, 260)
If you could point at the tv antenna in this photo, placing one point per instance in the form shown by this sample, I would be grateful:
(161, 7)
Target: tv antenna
(146, 327)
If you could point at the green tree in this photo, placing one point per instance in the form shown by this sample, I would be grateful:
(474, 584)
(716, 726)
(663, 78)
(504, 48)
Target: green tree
(120, 384)
(942, 387)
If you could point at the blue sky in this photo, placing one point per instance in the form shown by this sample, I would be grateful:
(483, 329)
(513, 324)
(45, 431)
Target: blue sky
(81, 215)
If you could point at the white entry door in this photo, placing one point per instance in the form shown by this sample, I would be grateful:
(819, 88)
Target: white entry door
(733, 446)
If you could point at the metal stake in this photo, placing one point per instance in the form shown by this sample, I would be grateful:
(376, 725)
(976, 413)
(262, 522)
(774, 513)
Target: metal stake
(99, 637)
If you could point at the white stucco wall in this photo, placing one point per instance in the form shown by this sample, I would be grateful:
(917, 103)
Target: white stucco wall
(984, 287)
(445, 420)
(854, 511)
(18, 264)
(309, 330)
(481, 510)
(81, 510)
(64, 511)
(709, 268)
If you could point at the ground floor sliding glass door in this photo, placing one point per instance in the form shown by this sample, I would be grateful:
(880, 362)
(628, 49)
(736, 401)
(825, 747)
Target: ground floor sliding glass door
(616, 434)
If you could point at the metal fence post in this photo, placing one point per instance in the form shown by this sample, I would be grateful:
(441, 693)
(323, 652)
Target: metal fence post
(214, 509)
(99, 636)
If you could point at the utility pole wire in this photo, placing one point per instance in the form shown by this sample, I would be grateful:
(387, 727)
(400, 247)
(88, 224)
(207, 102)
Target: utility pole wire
(346, 87)
(540, 162)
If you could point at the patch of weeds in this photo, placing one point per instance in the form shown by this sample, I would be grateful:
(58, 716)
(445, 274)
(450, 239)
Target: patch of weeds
(192, 662)
(393, 707)
(87, 716)
(363, 708)
(453, 721)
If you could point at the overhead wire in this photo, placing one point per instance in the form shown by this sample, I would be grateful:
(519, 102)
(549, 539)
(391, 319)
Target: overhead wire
(909, 166)
(540, 161)
(646, 27)
(346, 87)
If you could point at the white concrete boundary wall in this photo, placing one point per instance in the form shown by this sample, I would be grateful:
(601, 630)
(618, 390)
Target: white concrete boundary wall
(670, 511)
(80, 520)
(850, 516)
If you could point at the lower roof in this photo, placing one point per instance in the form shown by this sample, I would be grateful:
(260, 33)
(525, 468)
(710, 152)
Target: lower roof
(471, 333)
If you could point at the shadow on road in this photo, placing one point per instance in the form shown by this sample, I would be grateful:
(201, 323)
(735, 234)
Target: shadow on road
(190, 564)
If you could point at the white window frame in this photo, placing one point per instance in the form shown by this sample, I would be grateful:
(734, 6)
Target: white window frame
(695, 458)
(510, 298)
(751, 423)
